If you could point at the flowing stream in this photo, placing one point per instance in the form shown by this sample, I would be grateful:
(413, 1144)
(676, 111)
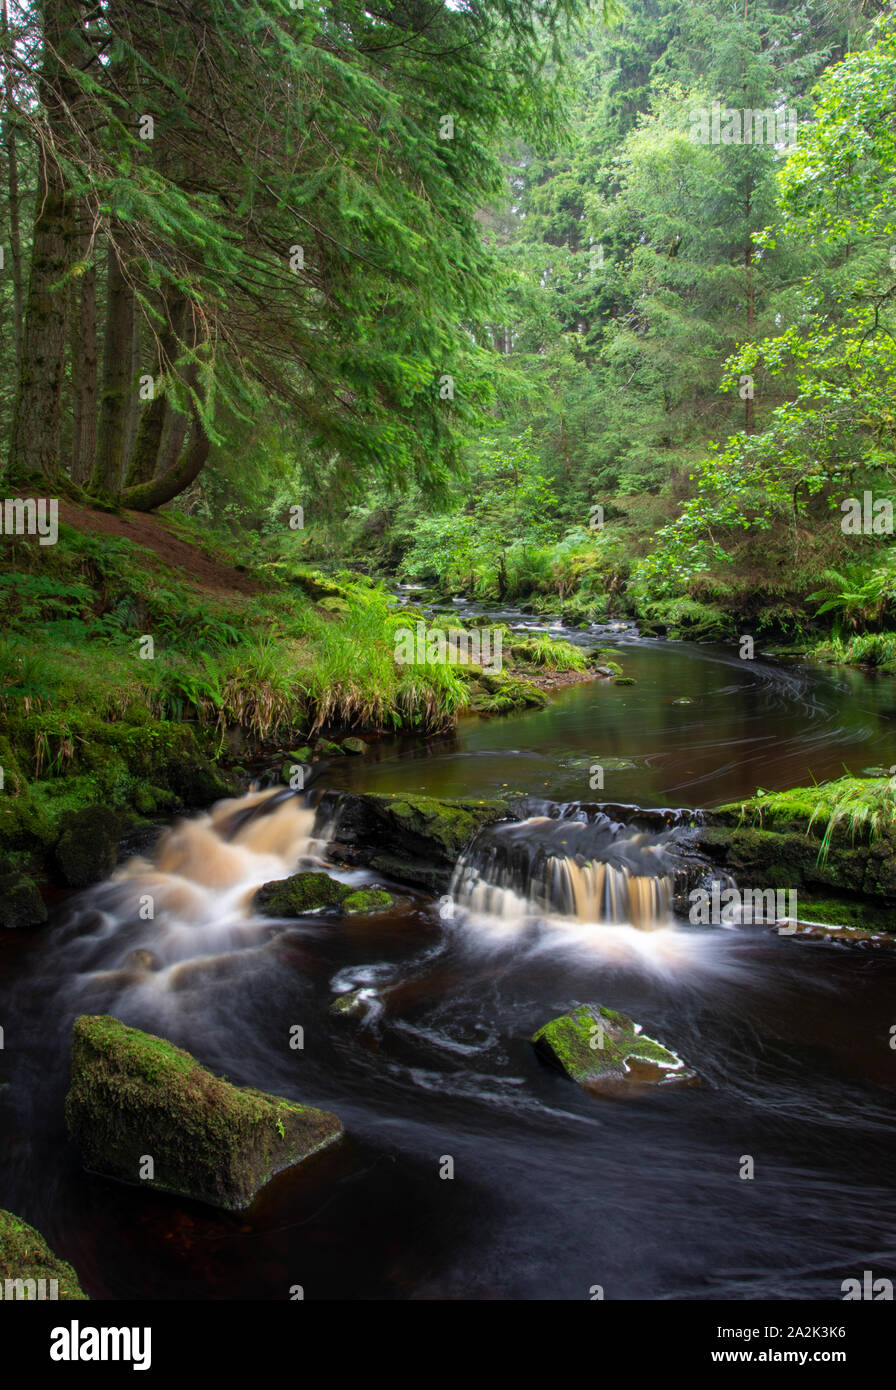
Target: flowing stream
(553, 1191)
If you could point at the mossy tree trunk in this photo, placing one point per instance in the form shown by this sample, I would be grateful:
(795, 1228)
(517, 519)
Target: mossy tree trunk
(146, 459)
(144, 497)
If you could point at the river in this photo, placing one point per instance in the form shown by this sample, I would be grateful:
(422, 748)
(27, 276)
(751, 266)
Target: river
(554, 1192)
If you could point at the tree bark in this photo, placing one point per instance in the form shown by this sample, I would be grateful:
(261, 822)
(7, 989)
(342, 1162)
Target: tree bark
(146, 461)
(12, 168)
(146, 496)
(118, 346)
(35, 435)
(83, 366)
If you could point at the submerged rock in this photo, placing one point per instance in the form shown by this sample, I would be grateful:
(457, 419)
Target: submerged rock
(358, 1003)
(142, 1110)
(26, 1259)
(600, 1047)
(21, 904)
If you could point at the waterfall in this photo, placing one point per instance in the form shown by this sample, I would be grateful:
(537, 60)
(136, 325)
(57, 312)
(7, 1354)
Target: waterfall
(587, 870)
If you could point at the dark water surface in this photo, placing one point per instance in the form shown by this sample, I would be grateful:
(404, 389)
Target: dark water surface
(554, 1191)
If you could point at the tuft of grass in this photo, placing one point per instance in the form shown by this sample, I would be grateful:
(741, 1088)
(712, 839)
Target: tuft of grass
(863, 805)
(550, 652)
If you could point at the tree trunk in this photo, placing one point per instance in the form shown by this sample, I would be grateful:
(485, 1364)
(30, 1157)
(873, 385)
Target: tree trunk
(117, 372)
(146, 459)
(12, 168)
(83, 366)
(35, 435)
(173, 437)
(146, 496)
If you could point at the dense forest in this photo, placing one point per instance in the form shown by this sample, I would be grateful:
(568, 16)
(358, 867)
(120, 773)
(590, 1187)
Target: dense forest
(338, 339)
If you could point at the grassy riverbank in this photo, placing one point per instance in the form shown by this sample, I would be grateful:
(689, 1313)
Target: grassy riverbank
(143, 672)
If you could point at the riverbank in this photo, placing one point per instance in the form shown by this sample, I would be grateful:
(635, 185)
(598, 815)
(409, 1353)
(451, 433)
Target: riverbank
(142, 671)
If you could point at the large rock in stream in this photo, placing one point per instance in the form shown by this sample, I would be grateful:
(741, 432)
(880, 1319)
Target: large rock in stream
(413, 839)
(29, 1269)
(300, 894)
(135, 1097)
(603, 1049)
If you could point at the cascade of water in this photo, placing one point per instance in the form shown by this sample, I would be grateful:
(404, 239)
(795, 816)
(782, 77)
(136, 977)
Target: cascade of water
(589, 871)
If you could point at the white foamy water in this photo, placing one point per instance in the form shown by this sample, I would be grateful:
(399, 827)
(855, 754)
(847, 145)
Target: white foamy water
(192, 898)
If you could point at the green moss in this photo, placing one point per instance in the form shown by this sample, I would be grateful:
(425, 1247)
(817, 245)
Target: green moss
(624, 680)
(25, 1255)
(302, 893)
(595, 1044)
(88, 847)
(134, 1096)
(368, 900)
(21, 904)
(327, 749)
(502, 694)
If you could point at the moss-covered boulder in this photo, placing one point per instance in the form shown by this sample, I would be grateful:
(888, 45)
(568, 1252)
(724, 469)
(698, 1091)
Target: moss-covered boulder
(413, 839)
(26, 1258)
(88, 847)
(367, 900)
(299, 894)
(327, 749)
(354, 745)
(21, 904)
(141, 1110)
(599, 1047)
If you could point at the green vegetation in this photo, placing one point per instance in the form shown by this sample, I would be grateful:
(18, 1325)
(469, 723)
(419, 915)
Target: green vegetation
(594, 1045)
(862, 808)
(95, 737)
(133, 1094)
(25, 1256)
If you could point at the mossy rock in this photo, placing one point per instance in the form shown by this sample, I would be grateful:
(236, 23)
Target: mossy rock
(624, 680)
(300, 755)
(594, 1045)
(88, 848)
(327, 749)
(367, 900)
(300, 894)
(354, 745)
(316, 585)
(26, 1258)
(356, 1004)
(134, 1097)
(413, 839)
(21, 904)
(333, 604)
